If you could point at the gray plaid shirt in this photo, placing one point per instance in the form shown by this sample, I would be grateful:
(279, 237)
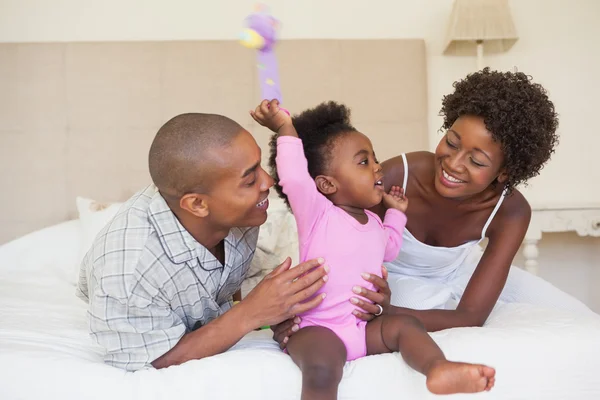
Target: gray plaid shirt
(148, 281)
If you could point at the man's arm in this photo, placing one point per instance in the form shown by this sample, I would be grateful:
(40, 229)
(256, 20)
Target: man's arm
(214, 338)
(280, 295)
(140, 328)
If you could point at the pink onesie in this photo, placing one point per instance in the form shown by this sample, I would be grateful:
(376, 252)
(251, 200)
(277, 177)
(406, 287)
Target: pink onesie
(348, 247)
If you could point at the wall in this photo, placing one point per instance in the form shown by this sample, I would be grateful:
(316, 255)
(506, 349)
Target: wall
(77, 119)
(558, 45)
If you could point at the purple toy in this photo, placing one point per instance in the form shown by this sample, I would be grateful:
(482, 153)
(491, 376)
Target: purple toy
(260, 35)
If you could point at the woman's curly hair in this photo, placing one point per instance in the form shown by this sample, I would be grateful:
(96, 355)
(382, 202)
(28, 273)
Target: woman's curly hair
(516, 111)
(318, 128)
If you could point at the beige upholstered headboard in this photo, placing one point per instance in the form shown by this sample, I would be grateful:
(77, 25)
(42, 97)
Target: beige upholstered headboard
(77, 119)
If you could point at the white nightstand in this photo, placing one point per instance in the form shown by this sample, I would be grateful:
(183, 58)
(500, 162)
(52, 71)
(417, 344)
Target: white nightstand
(585, 220)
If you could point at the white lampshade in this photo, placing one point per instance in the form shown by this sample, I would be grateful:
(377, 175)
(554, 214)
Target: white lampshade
(486, 22)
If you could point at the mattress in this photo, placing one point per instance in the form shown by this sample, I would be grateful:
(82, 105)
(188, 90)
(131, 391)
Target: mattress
(46, 352)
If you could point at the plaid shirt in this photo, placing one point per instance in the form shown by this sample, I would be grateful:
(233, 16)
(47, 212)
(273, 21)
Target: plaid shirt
(148, 281)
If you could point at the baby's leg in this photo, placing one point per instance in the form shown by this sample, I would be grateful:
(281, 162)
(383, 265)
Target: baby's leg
(407, 335)
(320, 354)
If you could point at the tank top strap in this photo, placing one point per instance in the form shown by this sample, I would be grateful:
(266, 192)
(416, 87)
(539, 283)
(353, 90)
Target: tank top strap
(405, 180)
(491, 217)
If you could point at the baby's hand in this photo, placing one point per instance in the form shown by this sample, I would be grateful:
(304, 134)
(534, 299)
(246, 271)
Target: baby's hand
(395, 199)
(270, 115)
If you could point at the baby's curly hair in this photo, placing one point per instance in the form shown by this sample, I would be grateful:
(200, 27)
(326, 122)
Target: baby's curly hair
(318, 128)
(516, 111)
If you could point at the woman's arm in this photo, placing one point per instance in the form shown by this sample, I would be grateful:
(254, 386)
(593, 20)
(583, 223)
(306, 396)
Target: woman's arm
(506, 234)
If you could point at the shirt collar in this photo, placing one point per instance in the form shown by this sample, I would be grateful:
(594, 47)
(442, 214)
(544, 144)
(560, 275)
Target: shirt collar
(179, 245)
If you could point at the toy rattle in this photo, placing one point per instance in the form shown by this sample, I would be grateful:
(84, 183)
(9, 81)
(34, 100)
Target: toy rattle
(260, 35)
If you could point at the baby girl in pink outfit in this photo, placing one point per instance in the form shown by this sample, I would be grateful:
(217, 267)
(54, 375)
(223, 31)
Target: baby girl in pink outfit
(328, 173)
(350, 243)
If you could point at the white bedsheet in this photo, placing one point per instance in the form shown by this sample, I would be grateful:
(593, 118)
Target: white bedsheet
(46, 353)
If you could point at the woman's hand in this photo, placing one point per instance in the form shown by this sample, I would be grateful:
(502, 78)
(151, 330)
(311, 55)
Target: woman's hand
(285, 329)
(367, 310)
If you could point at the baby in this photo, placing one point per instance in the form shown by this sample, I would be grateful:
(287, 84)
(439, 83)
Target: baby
(328, 174)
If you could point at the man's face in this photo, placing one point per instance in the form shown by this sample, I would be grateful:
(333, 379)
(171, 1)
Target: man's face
(240, 186)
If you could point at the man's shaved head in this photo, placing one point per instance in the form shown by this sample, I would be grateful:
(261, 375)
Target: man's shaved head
(180, 154)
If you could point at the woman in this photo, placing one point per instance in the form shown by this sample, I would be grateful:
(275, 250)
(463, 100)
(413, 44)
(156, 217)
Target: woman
(500, 131)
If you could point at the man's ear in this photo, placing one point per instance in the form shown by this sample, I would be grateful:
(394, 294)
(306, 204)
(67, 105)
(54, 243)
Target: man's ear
(326, 185)
(194, 203)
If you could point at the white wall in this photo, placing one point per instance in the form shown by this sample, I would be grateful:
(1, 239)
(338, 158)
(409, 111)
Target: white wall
(559, 45)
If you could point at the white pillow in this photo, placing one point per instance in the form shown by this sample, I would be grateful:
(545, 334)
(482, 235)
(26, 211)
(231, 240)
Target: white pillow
(93, 216)
(270, 231)
(53, 251)
(277, 240)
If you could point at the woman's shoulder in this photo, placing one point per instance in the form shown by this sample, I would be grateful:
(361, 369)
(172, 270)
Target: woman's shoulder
(414, 157)
(516, 206)
(515, 212)
(419, 162)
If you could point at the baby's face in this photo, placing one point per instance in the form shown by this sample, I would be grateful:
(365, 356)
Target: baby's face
(357, 171)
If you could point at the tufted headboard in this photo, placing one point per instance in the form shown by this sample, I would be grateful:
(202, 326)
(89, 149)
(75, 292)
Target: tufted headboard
(77, 119)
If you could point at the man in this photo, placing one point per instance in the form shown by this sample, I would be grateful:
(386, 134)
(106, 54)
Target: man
(160, 276)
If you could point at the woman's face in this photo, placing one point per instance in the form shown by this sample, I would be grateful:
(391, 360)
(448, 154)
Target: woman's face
(467, 159)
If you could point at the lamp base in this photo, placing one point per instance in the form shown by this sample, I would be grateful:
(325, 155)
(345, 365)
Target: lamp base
(479, 55)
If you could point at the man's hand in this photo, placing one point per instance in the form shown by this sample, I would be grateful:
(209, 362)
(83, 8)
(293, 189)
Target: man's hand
(268, 114)
(285, 292)
(280, 295)
(367, 306)
(395, 199)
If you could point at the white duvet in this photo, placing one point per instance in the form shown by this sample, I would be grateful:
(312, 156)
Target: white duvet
(45, 351)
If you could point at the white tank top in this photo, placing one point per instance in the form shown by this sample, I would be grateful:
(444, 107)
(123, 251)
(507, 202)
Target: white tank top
(419, 259)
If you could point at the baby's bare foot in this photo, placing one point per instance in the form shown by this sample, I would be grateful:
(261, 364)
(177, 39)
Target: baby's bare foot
(446, 377)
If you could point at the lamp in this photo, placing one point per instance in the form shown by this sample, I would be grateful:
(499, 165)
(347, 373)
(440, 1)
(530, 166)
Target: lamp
(475, 22)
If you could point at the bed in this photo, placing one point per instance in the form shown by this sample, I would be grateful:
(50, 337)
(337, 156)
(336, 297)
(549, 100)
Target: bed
(45, 350)
(55, 142)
